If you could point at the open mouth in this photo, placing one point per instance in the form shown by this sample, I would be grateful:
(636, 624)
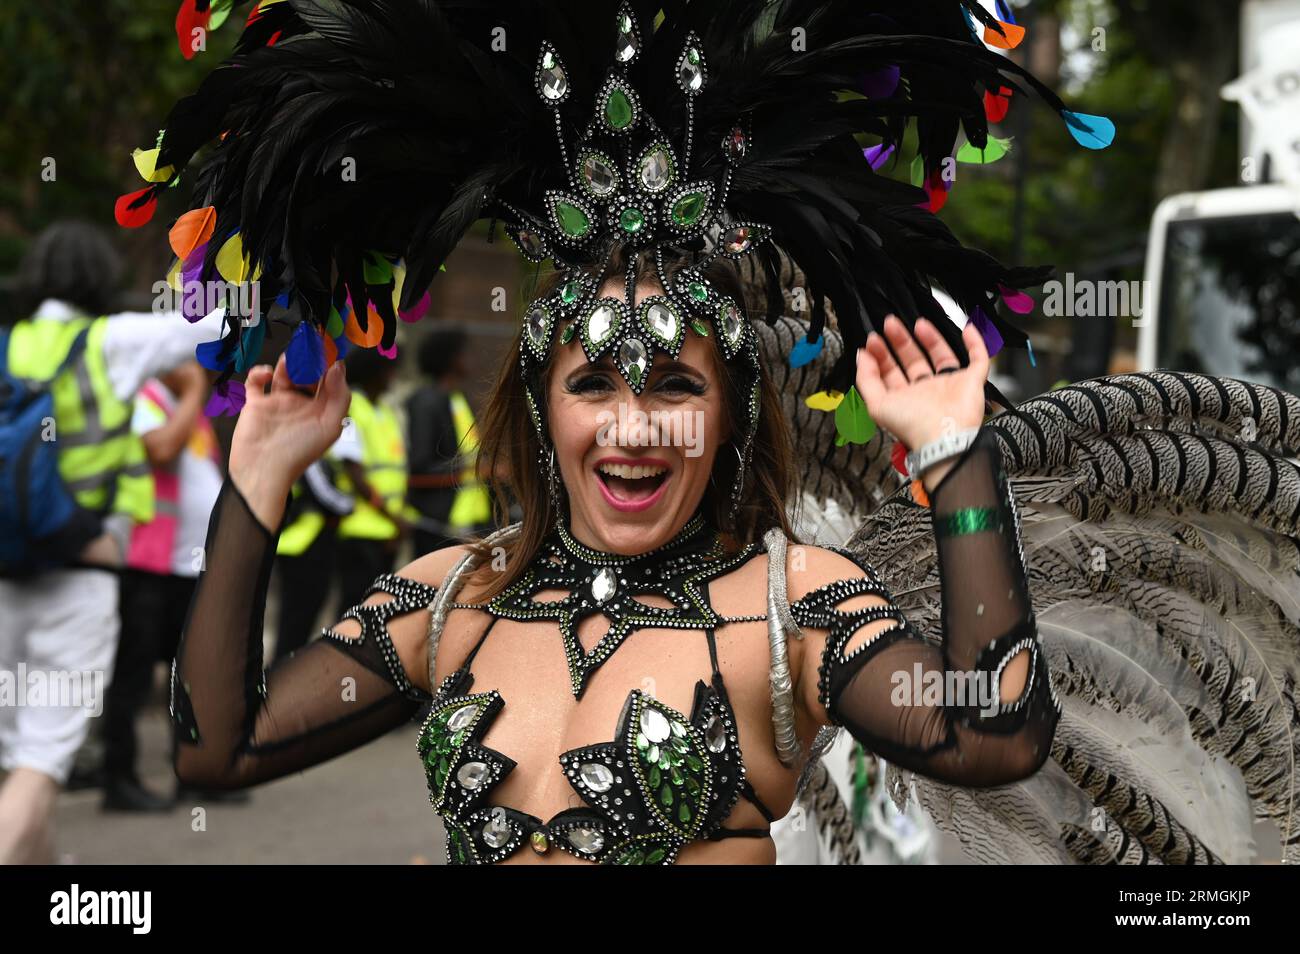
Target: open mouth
(631, 485)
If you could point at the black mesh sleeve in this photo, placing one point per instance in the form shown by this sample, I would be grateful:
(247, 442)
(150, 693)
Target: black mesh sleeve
(937, 709)
(238, 725)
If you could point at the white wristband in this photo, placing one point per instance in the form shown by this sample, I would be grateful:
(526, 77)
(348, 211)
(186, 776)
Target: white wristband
(950, 445)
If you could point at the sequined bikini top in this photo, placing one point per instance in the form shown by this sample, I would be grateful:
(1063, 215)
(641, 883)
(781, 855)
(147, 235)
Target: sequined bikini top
(665, 780)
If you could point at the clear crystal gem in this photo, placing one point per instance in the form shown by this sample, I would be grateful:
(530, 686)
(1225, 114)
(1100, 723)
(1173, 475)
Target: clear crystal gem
(654, 724)
(471, 775)
(599, 324)
(588, 840)
(537, 326)
(626, 45)
(663, 321)
(656, 169)
(731, 322)
(715, 736)
(462, 717)
(691, 73)
(496, 831)
(599, 174)
(554, 81)
(633, 357)
(603, 584)
(596, 777)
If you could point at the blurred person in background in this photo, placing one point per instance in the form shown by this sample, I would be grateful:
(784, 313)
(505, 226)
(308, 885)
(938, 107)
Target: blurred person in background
(445, 489)
(304, 556)
(64, 619)
(162, 564)
(372, 453)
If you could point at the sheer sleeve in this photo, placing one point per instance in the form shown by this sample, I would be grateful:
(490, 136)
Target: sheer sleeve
(939, 709)
(238, 725)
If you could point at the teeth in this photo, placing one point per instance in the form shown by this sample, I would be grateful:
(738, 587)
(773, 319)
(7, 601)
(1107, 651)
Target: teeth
(629, 472)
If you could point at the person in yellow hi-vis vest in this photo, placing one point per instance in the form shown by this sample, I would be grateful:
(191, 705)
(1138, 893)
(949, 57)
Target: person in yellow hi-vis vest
(448, 496)
(372, 453)
(64, 621)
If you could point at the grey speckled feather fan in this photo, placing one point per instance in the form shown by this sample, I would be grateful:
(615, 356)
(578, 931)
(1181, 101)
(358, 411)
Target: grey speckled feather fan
(1162, 532)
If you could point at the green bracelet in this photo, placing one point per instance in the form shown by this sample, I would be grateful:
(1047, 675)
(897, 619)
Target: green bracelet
(968, 520)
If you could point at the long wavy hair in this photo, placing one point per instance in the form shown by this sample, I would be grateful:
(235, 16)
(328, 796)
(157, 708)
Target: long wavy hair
(510, 449)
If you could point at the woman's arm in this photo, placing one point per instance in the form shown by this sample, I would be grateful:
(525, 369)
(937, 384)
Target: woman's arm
(977, 709)
(238, 725)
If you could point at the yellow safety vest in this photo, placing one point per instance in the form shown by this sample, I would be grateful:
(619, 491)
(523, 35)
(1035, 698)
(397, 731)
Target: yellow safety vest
(299, 535)
(383, 453)
(101, 461)
(472, 506)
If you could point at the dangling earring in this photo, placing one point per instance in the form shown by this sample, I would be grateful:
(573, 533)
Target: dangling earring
(739, 485)
(553, 484)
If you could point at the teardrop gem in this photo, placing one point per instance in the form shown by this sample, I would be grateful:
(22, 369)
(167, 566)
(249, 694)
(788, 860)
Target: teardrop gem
(632, 356)
(537, 322)
(599, 175)
(690, 75)
(731, 322)
(599, 324)
(626, 44)
(572, 221)
(618, 109)
(688, 208)
(735, 144)
(662, 320)
(656, 170)
(739, 239)
(530, 242)
(554, 81)
(604, 585)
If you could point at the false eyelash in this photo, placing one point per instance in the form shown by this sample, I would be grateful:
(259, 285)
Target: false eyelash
(587, 385)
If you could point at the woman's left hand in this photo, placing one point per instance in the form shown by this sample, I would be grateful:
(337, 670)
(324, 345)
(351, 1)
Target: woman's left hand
(906, 397)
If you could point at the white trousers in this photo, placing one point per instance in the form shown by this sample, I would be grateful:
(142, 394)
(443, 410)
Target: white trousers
(58, 640)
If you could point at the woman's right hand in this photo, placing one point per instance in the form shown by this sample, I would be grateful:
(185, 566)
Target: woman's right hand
(280, 432)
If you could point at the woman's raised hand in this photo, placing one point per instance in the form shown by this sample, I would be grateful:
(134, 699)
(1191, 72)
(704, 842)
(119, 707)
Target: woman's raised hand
(281, 432)
(907, 397)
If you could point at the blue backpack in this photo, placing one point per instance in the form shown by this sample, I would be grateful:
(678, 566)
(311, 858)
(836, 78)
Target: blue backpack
(41, 524)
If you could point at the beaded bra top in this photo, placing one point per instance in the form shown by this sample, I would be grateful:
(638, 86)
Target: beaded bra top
(665, 780)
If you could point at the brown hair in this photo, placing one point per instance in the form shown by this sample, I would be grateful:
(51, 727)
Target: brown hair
(511, 450)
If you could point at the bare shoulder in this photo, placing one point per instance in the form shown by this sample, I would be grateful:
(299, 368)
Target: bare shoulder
(809, 568)
(432, 568)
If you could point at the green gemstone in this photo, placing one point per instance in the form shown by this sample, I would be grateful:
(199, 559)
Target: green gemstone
(637, 857)
(692, 787)
(642, 743)
(570, 292)
(700, 328)
(665, 796)
(688, 209)
(693, 762)
(571, 219)
(652, 754)
(666, 759)
(567, 334)
(678, 728)
(654, 777)
(655, 856)
(684, 812)
(697, 291)
(618, 109)
(631, 220)
(693, 55)
(677, 776)
(634, 372)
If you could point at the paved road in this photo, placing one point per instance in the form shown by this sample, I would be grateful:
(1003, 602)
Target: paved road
(368, 807)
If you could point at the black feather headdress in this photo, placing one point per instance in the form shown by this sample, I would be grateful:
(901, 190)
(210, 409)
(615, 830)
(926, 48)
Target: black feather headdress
(356, 141)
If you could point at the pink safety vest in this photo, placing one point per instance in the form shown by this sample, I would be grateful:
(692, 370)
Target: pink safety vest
(152, 542)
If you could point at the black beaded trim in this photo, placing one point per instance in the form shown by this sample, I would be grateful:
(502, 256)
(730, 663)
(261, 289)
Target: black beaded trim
(408, 596)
